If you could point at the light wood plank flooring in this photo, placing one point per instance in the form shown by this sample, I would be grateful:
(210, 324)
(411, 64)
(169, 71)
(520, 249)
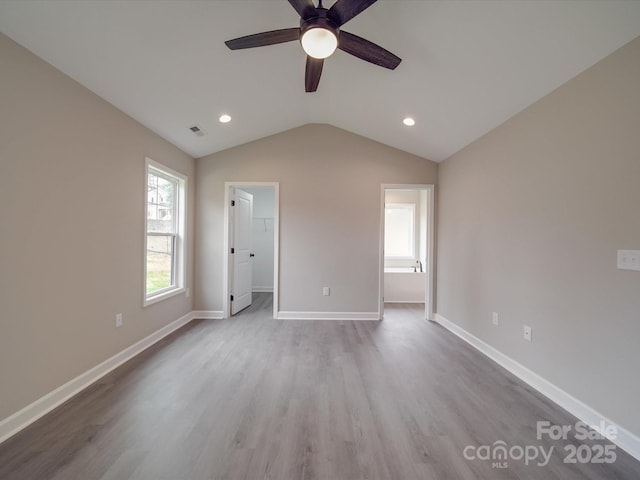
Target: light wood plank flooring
(256, 398)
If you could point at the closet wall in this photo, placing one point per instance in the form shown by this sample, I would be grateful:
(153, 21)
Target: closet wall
(262, 237)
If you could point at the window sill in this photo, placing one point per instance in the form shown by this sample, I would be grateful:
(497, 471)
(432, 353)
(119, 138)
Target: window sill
(163, 296)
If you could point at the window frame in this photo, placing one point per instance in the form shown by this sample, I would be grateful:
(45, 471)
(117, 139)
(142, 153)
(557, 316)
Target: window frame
(411, 207)
(178, 267)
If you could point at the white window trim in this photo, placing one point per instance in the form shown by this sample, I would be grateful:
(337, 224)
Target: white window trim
(180, 240)
(412, 208)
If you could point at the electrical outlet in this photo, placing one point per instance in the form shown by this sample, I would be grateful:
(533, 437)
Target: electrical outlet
(495, 318)
(326, 291)
(527, 333)
(118, 320)
(628, 260)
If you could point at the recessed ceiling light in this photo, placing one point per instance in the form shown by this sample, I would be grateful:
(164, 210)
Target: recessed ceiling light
(225, 118)
(409, 122)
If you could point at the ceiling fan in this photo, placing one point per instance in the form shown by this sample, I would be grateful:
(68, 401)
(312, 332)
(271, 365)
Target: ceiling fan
(320, 34)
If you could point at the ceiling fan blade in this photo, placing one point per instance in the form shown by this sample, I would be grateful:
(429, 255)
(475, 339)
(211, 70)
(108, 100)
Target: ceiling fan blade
(265, 38)
(305, 8)
(312, 73)
(368, 51)
(344, 10)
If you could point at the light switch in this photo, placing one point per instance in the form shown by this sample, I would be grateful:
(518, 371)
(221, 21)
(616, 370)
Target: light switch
(629, 260)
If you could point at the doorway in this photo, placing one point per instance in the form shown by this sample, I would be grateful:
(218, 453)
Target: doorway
(251, 244)
(406, 245)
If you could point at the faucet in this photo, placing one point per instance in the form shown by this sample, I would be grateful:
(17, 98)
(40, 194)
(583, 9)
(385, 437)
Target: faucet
(419, 263)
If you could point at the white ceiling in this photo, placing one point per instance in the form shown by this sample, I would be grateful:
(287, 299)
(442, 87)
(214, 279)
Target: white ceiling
(467, 65)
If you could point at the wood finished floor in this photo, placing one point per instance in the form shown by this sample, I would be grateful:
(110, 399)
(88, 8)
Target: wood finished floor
(256, 398)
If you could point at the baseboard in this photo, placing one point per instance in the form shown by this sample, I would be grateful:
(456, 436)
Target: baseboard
(624, 438)
(208, 314)
(29, 414)
(328, 315)
(405, 301)
(262, 289)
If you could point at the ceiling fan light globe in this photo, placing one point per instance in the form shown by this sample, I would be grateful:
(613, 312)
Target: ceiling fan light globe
(319, 42)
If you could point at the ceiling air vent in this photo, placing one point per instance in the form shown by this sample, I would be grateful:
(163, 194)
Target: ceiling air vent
(197, 130)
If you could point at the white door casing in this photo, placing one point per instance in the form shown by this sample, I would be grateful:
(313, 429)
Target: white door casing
(241, 219)
(227, 267)
(430, 211)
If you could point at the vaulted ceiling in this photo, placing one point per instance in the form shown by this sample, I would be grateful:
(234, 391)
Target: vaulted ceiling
(467, 66)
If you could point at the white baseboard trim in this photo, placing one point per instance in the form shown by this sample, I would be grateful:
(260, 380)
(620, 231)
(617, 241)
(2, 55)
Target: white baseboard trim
(208, 314)
(404, 301)
(328, 315)
(29, 414)
(624, 439)
(262, 289)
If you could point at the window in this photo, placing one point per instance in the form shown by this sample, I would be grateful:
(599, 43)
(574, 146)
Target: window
(399, 230)
(164, 235)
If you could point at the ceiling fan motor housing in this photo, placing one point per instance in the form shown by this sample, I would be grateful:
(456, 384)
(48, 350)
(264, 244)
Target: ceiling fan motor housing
(321, 20)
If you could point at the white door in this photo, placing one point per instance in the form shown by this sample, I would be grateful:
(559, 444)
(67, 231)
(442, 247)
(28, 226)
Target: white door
(242, 213)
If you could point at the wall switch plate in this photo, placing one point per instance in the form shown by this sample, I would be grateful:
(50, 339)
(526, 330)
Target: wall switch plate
(188, 292)
(495, 318)
(527, 333)
(326, 291)
(118, 320)
(629, 260)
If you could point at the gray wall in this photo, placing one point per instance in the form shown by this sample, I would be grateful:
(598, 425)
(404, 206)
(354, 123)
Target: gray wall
(72, 193)
(329, 214)
(530, 218)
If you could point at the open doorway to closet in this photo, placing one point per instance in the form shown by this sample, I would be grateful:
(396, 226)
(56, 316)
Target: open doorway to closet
(406, 246)
(251, 244)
